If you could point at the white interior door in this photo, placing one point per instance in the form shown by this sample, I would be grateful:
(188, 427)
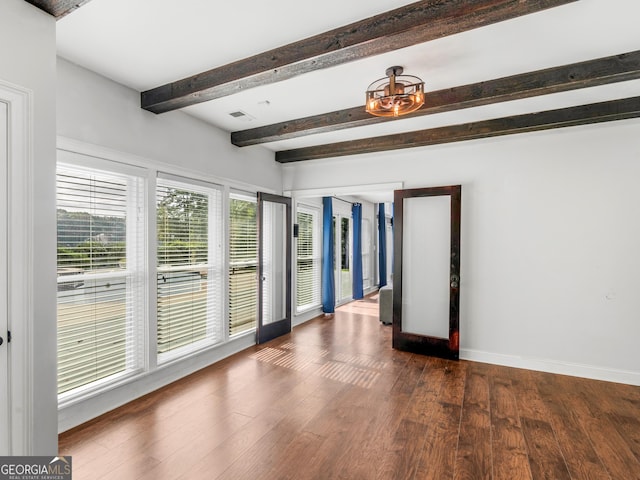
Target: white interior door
(4, 349)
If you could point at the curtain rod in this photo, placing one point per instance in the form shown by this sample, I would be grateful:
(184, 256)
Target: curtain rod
(345, 201)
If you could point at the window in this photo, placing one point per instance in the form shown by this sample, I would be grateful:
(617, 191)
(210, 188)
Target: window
(189, 261)
(243, 264)
(101, 312)
(308, 258)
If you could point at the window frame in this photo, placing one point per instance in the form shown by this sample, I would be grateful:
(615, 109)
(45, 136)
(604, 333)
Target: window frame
(215, 332)
(252, 198)
(135, 274)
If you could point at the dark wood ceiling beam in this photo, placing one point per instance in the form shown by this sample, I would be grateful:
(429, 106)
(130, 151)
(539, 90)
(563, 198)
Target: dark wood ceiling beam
(531, 122)
(58, 8)
(616, 68)
(412, 24)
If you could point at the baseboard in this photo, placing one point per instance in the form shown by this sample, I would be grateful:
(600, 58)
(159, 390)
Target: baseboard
(552, 366)
(306, 316)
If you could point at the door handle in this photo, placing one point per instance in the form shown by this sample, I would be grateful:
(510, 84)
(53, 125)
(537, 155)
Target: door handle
(1, 340)
(455, 279)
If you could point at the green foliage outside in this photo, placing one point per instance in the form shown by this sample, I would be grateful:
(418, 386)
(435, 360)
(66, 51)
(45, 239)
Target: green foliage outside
(182, 225)
(243, 232)
(90, 255)
(89, 242)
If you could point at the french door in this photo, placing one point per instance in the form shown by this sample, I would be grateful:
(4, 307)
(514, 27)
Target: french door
(426, 280)
(4, 306)
(274, 267)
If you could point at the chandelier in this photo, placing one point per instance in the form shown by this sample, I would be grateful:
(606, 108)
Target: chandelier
(395, 95)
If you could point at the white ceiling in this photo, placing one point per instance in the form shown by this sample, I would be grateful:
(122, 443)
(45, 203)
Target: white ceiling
(147, 43)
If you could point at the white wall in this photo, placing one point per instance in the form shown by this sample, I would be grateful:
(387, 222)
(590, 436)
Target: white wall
(27, 59)
(96, 110)
(550, 241)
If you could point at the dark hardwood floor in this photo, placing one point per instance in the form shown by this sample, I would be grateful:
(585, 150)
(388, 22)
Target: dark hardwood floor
(333, 400)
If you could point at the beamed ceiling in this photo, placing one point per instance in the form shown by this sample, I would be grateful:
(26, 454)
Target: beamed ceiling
(297, 71)
(58, 8)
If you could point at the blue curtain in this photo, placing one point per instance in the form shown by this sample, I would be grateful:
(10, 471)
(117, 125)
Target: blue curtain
(356, 212)
(393, 235)
(328, 281)
(382, 246)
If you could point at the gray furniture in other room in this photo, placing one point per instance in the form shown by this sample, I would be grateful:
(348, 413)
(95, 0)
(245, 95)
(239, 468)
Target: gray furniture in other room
(385, 304)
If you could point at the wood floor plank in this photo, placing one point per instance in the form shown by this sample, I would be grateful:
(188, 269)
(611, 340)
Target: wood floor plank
(346, 445)
(292, 465)
(426, 393)
(199, 460)
(271, 448)
(612, 449)
(545, 457)
(400, 461)
(437, 460)
(623, 412)
(525, 388)
(374, 422)
(452, 391)
(629, 429)
(582, 461)
(372, 449)
(333, 400)
(510, 458)
(474, 459)
(206, 437)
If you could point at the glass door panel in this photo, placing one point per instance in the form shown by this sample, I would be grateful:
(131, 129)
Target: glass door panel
(425, 279)
(275, 266)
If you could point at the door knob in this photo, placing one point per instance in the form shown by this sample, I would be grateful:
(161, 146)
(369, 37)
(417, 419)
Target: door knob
(1, 340)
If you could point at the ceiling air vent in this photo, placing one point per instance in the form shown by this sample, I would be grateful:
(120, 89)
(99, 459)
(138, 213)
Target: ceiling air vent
(243, 116)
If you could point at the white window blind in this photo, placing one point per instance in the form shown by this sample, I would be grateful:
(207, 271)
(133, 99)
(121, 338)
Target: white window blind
(101, 313)
(189, 261)
(243, 263)
(308, 258)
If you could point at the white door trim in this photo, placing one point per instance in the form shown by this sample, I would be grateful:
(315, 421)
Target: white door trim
(5, 417)
(20, 265)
